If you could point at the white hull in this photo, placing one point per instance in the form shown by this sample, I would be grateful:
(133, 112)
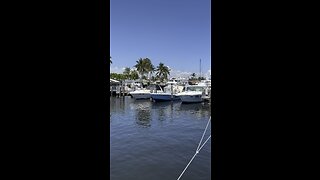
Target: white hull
(164, 97)
(141, 94)
(168, 93)
(191, 97)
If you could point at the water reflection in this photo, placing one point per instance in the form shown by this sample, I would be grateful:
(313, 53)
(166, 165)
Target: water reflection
(190, 107)
(165, 110)
(143, 111)
(117, 103)
(143, 118)
(162, 114)
(143, 114)
(199, 109)
(145, 135)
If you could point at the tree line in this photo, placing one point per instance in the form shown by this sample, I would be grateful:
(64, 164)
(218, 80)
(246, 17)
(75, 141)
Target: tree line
(144, 69)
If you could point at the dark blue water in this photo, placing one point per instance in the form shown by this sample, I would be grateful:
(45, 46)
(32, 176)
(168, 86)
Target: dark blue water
(155, 141)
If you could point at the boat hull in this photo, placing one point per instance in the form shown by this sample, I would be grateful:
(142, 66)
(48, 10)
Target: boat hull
(164, 97)
(191, 99)
(140, 95)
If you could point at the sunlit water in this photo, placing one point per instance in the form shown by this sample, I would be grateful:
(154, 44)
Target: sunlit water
(155, 141)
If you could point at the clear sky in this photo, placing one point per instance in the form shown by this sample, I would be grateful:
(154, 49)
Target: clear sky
(174, 32)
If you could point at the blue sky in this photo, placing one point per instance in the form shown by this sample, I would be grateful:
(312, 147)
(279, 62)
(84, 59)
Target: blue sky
(174, 32)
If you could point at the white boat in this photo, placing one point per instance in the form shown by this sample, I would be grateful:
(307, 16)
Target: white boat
(140, 94)
(190, 97)
(145, 93)
(168, 93)
(207, 93)
(193, 93)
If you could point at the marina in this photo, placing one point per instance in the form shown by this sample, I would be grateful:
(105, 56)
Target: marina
(156, 123)
(160, 90)
(170, 91)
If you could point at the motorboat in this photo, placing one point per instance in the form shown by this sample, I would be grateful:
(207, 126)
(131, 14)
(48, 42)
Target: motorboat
(193, 93)
(140, 94)
(168, 93)
(190, 97)
(145, 93)
(207, 93)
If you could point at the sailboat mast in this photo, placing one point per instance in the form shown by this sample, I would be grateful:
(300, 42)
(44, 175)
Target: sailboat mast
(200, 67)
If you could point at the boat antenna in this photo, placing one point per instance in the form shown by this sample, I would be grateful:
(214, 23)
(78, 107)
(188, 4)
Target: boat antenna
(200, 68)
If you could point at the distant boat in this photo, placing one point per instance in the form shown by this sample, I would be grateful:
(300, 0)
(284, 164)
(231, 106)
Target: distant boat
(168, 93)
(145, 93)
(192, 94)
(190, 97)
(140, 94)
(207, 92)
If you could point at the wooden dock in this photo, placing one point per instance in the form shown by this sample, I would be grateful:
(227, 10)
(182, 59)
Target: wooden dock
(118, 91)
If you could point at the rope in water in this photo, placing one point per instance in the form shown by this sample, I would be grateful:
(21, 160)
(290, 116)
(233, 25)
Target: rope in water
(198, 149)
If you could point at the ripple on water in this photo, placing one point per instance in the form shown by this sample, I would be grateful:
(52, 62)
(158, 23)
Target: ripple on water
(156, 140)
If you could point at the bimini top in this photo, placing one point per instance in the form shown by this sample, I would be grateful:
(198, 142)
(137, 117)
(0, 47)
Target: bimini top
(114, 81)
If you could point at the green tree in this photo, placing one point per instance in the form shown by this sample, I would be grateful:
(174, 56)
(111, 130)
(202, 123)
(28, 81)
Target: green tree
(117, 76)
(126, 73)
(144, 66)
(134, 75)
(153, 78)
(149, 66)
(162, 72)
(140, 67)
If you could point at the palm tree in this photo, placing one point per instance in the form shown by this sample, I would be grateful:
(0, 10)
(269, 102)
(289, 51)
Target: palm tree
(134, 74)
(162, 72)
(140, 67)
(149, 67)
(126, 72)
(144, 66)
(153, 78)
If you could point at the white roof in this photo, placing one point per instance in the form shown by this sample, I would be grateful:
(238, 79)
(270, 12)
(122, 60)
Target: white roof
(114, 81)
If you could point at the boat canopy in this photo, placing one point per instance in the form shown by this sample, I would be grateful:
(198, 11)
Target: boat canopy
(114, 81)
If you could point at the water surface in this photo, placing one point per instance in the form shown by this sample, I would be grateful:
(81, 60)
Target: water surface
(156, 140)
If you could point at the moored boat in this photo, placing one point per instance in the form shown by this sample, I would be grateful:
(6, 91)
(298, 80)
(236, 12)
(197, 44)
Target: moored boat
(169, 93)
(145, 93)
(192, 94)
(141, 94)
(190, 97)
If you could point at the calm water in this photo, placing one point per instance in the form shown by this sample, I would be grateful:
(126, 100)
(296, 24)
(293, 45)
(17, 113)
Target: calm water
(155, 141)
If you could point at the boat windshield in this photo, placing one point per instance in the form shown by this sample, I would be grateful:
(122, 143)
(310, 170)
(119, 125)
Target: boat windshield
(154, 87)
(195, 88)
